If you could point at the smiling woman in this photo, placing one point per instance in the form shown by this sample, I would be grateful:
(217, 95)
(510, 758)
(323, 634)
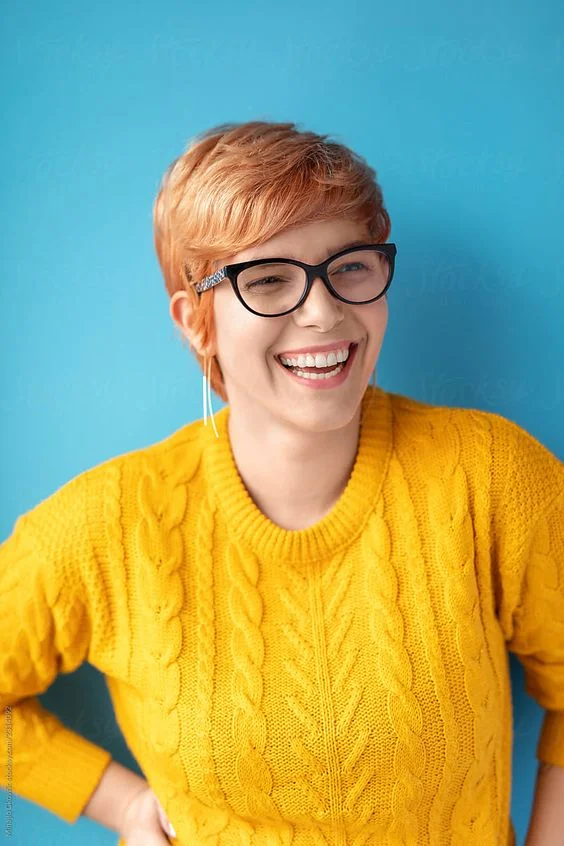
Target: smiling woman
(259, 179)
(303, 616)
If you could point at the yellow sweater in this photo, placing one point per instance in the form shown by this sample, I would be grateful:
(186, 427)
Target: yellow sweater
(346, 684)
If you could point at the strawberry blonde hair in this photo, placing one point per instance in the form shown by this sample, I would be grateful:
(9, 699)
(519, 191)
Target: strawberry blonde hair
(238, 184)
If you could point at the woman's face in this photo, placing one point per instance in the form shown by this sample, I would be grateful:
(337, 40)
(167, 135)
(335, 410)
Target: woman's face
(247, 344)
(257, 385)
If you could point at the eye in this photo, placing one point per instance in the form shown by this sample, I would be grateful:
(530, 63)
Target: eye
(266, 280)
(358, 264)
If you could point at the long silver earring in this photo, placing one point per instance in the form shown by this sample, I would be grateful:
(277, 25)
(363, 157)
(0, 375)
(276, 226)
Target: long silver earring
(206, 395)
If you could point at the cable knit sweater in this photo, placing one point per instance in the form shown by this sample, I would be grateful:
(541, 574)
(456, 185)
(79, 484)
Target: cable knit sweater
(345, 684)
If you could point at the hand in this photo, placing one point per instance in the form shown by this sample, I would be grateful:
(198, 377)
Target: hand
(144, 822)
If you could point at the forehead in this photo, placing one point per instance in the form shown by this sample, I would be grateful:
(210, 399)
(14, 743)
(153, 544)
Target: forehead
(309, 243)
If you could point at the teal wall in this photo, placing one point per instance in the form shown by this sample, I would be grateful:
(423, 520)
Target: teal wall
(455, 105)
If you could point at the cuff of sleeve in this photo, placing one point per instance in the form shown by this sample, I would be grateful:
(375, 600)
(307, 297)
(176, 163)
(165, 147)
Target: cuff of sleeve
(65, 779)
(550, 748)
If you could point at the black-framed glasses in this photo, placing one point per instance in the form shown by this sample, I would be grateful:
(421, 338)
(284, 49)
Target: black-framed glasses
(276, 286)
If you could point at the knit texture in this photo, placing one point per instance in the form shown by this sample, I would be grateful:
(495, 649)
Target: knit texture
(342, 685)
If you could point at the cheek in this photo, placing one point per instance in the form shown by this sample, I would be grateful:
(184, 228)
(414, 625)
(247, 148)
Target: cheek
(374, 318)
(243, 342)
(380, 316)
(384, 313)
(231, 326)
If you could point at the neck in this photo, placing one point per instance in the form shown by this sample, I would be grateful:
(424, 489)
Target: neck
(294, 477)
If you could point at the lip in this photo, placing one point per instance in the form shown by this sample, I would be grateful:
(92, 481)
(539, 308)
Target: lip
(326, 384)
(336, 345)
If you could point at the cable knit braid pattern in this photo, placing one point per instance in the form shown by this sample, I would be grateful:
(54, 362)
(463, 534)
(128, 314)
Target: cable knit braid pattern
(345, 684)
(434, 448)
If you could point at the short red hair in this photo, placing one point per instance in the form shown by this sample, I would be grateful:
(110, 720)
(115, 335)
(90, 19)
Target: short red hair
(237, 185)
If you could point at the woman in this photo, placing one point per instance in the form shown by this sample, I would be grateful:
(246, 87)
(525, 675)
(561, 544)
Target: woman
(303, 610)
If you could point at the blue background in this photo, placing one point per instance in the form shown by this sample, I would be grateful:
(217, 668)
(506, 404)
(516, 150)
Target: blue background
(456, 107)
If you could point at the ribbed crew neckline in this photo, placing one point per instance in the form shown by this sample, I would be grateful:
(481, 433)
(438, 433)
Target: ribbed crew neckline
(339, 526)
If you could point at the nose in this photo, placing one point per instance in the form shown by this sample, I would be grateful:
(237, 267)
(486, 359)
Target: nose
(319, 296)
(320, 308)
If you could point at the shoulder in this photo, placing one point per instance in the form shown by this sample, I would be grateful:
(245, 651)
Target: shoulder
(422, 420)
(495, 450)
(505, 435)
(87, 500)
(176, 454)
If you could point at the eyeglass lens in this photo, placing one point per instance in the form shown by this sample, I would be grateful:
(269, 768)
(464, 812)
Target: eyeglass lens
(271, 288)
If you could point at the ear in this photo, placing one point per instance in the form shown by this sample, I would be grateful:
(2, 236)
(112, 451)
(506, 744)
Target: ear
(181, 312)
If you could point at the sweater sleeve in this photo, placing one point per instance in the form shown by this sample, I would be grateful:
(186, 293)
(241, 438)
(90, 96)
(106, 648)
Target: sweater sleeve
(45, 630)
(528, 521)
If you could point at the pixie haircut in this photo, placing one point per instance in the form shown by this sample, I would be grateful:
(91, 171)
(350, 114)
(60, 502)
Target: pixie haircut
(239, 184)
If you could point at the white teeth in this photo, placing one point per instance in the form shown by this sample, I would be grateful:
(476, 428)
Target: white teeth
(314, 376)
(319, 360)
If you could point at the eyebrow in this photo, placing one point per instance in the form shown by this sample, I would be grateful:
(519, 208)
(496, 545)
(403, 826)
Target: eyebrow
(357, 242)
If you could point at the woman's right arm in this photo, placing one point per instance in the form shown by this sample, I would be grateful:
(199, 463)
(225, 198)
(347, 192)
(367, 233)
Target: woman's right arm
(47, 616)
(126, 803)
(114, 793)
(45, 629)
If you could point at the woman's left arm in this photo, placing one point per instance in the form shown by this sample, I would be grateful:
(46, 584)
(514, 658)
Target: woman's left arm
(546, 826)
(528, 555)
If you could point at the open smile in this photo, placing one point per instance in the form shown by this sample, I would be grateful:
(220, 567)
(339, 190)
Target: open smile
(321, 378)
